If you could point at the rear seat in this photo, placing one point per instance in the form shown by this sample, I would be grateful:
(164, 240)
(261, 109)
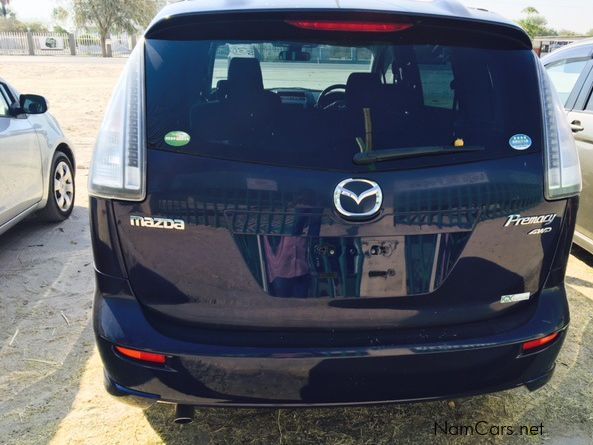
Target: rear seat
(244, 111)
(245, 114)
(365, 90)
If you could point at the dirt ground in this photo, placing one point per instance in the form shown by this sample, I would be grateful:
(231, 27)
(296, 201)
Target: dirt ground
(50, 373)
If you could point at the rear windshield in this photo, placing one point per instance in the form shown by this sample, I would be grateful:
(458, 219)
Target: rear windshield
(315, 104)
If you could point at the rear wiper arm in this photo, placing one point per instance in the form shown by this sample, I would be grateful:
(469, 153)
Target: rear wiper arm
(370, 157)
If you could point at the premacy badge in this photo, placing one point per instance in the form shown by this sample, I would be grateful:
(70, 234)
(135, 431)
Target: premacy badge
(518, 220)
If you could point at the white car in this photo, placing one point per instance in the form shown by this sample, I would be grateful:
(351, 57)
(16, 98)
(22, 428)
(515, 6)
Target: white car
(571, 71)
(37, 164)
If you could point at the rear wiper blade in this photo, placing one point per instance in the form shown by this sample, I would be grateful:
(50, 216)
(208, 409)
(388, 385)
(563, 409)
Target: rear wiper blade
(370, 157)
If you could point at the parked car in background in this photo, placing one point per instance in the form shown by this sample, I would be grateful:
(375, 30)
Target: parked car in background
(249, 51)
(571, 71)
(302, 231)
(37, 165)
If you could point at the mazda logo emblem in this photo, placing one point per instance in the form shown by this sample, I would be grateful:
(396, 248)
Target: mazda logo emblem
(358, 198)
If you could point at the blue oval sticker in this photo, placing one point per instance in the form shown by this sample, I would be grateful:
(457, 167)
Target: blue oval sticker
(520, 142)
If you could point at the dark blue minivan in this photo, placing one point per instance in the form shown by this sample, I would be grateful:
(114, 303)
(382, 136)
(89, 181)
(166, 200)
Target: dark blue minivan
(321, 203)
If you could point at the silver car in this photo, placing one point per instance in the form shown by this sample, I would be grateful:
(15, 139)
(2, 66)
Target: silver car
(571, 71)
(37, 164)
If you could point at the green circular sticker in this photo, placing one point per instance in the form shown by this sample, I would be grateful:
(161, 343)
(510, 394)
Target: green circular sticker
(177, 138)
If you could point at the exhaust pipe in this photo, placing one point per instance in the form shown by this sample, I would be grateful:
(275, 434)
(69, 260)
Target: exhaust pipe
(184, 414)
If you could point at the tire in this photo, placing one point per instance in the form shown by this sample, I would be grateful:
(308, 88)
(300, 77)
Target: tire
(60, 200)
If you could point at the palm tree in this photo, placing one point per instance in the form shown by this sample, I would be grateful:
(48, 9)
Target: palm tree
(530, 10)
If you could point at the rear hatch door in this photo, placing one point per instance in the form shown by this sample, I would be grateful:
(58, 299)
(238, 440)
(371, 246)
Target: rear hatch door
(306, 178)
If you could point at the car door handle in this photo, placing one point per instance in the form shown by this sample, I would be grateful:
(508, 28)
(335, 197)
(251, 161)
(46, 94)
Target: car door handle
(576, 126)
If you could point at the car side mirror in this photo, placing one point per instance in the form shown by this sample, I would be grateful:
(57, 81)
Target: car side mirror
(32, 104)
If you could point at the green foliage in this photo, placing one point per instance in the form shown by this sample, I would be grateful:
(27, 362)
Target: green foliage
(568, 33)
(12, 24)
(60, 16)
(535, 24)
(59, 29)
(108, 16)
(114, 15)
(530, 10)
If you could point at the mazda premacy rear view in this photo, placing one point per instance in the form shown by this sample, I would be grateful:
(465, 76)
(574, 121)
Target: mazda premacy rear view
(324, 205)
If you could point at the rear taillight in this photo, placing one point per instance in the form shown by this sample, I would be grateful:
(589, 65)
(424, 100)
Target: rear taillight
(350, 26)
(563, 171)
(118, 166)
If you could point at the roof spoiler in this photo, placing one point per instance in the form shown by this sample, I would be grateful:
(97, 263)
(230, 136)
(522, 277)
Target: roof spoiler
(183, 26)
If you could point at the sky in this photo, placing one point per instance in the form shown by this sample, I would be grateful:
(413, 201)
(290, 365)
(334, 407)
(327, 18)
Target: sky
(576, 15)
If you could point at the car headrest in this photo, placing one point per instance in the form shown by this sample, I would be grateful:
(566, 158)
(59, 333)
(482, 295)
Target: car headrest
(362, 89)
(245, 75)
(222, 88)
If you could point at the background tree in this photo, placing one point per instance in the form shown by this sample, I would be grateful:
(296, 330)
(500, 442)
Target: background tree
(568, 33)
(107, 16)
(535, 24)
(10, 23)
(60, 16)
(530, 10)
(4, 4)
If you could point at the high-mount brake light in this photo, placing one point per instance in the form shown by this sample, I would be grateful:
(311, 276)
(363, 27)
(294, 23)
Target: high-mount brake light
(350, 26)
(118, 166)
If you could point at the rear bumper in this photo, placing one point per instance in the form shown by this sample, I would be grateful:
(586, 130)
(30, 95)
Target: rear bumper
(215, 375)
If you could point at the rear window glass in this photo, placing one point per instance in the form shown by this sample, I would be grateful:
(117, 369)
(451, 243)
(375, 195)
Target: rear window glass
(315, 104)
(273, 76)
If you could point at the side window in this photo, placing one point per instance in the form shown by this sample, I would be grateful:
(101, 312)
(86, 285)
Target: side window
(436, 75)
(589, 106)
(4, 102)
(565, 74)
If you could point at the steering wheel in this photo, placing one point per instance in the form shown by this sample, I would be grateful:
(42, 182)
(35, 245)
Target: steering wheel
(329, 96)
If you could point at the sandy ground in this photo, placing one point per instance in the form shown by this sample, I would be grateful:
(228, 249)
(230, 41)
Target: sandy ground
(50, 373)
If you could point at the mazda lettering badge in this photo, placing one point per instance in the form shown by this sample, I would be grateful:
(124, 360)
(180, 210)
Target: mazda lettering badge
(358, 198)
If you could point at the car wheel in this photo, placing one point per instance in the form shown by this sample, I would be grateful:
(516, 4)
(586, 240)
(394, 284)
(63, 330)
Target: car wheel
(60, 201)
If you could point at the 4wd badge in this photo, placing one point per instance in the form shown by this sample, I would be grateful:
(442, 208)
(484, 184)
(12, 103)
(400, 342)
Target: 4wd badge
(544, 220)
